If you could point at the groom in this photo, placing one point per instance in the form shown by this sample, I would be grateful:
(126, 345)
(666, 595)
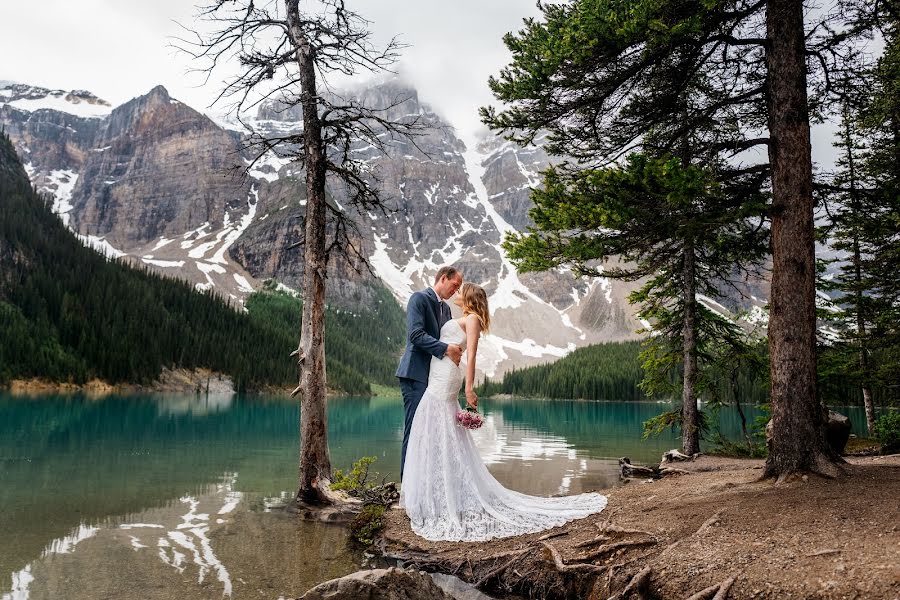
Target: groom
(426, 313)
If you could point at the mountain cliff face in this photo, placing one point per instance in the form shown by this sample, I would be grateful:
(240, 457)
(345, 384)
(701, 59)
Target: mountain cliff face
(160, 183)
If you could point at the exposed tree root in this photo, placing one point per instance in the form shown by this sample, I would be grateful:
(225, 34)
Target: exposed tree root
(713, 591)
(829, 466)
(637, 584)
(496, 571)
(613, 547)
(553, 554)
(708, 523)
(609, 528)
(592, 542)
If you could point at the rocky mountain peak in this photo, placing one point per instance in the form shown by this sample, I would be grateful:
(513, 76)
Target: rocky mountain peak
(30, 98)
(155, 181)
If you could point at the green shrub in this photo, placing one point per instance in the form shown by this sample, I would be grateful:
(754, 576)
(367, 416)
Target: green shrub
(354, 482)
(365, 526)
(887, 432)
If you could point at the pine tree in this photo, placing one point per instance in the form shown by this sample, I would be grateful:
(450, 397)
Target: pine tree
(601, 77)
(675, 228)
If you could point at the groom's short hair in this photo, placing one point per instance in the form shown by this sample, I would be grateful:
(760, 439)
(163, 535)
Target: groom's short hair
(448, 272)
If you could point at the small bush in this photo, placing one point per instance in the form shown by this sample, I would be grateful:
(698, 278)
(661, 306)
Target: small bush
(365, 526)
(355, 481)
(887, 432)
(722, 446)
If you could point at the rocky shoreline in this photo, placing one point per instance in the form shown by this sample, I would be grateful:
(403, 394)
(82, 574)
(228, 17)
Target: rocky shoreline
(716, 529)
(172, 381)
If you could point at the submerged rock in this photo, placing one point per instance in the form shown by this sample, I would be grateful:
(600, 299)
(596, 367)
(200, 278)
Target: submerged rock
(379, 584)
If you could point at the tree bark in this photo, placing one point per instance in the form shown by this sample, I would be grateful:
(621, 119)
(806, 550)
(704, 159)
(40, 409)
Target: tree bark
(690, 422)
(315, 463)
(860, 317)
(798, 418)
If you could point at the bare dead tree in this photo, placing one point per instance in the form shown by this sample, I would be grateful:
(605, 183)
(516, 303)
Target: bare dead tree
(285, 58)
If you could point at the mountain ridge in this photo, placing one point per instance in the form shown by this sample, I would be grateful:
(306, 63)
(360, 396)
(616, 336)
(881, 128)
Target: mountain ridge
(153, 181)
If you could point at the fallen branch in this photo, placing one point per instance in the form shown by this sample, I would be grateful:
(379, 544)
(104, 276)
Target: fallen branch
(563, 567)
(674, 455)
(550, 536)
(673, 471)
(823, 552)
(629, 470)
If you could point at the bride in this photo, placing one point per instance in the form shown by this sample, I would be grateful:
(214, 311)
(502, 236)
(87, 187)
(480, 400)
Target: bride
(447, 491)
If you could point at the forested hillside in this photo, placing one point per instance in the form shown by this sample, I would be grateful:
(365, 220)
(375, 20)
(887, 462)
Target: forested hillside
(610, 372)
(601, 372)
(69, 314)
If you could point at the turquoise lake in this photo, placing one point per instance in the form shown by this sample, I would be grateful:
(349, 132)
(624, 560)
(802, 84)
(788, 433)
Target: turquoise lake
(178, 497)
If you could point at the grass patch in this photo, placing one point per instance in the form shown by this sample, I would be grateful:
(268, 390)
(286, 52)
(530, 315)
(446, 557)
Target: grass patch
(385, 390)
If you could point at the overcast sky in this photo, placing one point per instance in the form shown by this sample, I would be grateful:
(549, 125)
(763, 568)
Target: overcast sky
(119, 49)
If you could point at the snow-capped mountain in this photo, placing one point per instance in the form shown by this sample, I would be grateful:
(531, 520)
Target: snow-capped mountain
(159, 183)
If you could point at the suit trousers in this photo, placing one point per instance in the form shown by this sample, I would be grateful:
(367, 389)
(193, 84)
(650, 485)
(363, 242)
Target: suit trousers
(412, 392)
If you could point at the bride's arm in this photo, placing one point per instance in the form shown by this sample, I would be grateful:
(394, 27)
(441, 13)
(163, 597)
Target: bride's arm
(473, 333)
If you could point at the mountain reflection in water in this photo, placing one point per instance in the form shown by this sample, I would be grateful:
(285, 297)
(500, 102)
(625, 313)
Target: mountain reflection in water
(93, 489)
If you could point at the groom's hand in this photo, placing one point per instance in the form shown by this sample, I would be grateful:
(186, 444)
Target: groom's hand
(454, 352)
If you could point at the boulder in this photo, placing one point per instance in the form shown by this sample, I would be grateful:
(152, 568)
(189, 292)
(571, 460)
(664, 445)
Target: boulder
(837, 431)
(379, 584)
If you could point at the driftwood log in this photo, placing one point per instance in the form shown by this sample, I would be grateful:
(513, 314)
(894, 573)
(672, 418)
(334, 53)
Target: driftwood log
(674, 455)
(631, 471)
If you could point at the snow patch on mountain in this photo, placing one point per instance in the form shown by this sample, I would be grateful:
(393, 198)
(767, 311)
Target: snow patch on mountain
(100, 245)
(30, 98)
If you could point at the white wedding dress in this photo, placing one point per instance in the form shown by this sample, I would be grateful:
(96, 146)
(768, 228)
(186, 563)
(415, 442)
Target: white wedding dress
(447, 490)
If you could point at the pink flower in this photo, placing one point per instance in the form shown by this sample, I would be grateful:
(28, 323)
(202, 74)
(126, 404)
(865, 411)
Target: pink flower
(469, 418)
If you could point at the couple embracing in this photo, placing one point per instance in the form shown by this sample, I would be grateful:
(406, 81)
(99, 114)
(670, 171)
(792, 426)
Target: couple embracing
(447, 491)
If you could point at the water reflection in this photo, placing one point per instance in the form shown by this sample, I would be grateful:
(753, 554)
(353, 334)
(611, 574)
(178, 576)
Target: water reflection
(196, 406)
(87, 473)
(213, 545)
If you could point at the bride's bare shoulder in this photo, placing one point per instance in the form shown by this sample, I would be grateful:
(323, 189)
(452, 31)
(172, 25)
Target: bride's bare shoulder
(471, 320)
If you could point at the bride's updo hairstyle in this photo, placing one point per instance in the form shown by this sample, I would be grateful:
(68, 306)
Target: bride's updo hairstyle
(474, 302)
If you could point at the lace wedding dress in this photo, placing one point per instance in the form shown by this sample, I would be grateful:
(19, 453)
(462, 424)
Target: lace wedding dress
(447, 490)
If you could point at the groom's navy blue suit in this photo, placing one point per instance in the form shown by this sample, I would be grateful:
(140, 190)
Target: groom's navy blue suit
(425, 315)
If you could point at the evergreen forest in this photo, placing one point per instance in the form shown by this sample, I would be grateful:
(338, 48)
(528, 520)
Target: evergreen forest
(69, 314)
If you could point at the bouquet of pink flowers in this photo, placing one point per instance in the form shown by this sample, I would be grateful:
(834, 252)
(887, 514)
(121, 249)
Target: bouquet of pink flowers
(469, 418)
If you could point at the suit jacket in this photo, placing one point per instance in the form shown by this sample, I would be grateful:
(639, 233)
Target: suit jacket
(425, 315)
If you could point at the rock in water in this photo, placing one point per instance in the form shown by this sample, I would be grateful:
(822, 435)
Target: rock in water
(379, 584)
(837, 431)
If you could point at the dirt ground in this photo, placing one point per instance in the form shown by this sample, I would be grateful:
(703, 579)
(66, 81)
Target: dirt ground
(807, 538)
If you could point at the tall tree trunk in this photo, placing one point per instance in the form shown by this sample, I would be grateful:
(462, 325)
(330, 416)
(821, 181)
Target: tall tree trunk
(858, 284)
(861, 329)
(315, 463)
(797, 440)
(690, 421)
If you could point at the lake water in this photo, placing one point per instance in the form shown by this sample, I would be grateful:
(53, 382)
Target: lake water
(176, 497)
